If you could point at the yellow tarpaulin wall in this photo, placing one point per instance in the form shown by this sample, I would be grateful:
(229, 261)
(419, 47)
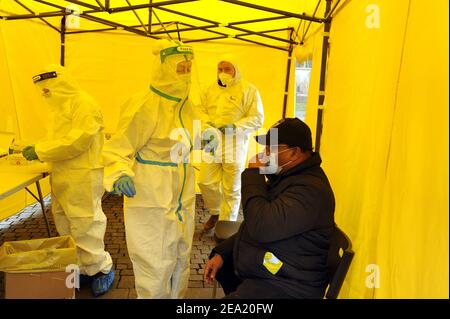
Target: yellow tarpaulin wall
(385, 142)
(23, 46)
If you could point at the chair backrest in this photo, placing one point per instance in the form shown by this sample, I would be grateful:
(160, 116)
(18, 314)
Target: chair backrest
(338, 264)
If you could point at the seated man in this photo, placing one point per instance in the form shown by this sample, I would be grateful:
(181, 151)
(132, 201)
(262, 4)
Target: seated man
(281, 248)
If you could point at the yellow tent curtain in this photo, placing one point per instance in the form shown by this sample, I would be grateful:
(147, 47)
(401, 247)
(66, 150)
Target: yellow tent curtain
(385, 142)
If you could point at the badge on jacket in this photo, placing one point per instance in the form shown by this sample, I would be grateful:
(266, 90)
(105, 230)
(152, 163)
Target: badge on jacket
(272, 263)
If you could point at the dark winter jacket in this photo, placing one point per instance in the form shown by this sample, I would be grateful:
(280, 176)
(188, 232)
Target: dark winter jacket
(291, 216)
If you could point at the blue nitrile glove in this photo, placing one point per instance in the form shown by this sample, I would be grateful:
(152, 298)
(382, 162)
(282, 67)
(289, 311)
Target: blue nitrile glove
(124, 185)
(29, 153)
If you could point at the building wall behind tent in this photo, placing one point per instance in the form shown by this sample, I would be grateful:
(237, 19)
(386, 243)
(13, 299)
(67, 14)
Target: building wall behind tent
(385, 143)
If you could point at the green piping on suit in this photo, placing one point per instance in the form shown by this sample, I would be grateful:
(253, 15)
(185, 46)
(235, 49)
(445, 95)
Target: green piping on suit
(143, 161)
(180, 204)
(170, 164)
(164, 95)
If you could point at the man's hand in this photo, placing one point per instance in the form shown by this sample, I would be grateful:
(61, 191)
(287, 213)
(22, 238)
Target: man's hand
(212, 267)
(259, 160)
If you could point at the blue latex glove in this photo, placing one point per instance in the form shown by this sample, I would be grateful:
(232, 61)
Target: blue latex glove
(29, 153)
(124, 185)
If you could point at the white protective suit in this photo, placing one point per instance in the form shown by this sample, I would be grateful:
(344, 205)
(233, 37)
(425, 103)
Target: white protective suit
(240, 104)
(159, 219)
(74, 152)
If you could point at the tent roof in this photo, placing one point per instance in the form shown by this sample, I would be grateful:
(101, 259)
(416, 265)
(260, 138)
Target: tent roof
(262, 22)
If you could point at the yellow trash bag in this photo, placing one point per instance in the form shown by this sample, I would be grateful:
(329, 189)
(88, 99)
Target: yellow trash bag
(38, 255)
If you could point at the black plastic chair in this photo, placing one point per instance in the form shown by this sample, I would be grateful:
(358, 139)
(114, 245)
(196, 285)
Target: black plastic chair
(338, 264)
(224, 229)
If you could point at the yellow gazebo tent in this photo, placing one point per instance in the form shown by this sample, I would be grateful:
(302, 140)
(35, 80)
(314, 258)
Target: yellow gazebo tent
(377, 101)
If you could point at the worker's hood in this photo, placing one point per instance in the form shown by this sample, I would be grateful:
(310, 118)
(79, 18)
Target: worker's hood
(59, 82)
(164, 73)
(231, 58)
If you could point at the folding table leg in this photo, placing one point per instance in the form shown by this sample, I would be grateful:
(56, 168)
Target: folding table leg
(41, 201)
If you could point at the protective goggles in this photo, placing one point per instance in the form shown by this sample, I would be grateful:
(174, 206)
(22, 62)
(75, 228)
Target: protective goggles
(181, 49)
(44, 76)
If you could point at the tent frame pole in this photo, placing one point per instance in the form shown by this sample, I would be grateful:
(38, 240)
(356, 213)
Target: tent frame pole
(63, 40)
(228, 26)
(84, 4)
(100, 4)
(309, 24)
(101, 21)
(151, 5)
(92, 31)
(36, 16)
(40, 18)
(206, 39)
(323, 69)
(109, 29)
(178, 32)
(281, 12)
(258, 20)
(288, 75)
(262, 35)
(51, 4)
(150, 14)
(327, 17)
(261, 44)
(117, 25)
(161, 5)
(137, 17)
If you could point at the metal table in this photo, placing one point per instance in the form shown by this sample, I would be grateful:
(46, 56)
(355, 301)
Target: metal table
(14, 178)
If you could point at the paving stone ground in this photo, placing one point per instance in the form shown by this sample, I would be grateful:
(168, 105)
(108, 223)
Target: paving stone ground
(29, 224)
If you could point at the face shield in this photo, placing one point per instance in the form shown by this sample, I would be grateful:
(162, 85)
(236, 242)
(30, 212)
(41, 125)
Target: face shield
(172, 72)
(55, 85)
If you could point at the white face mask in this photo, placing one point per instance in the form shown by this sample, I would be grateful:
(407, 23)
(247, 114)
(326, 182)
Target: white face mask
(225, 78)
(272, 166)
